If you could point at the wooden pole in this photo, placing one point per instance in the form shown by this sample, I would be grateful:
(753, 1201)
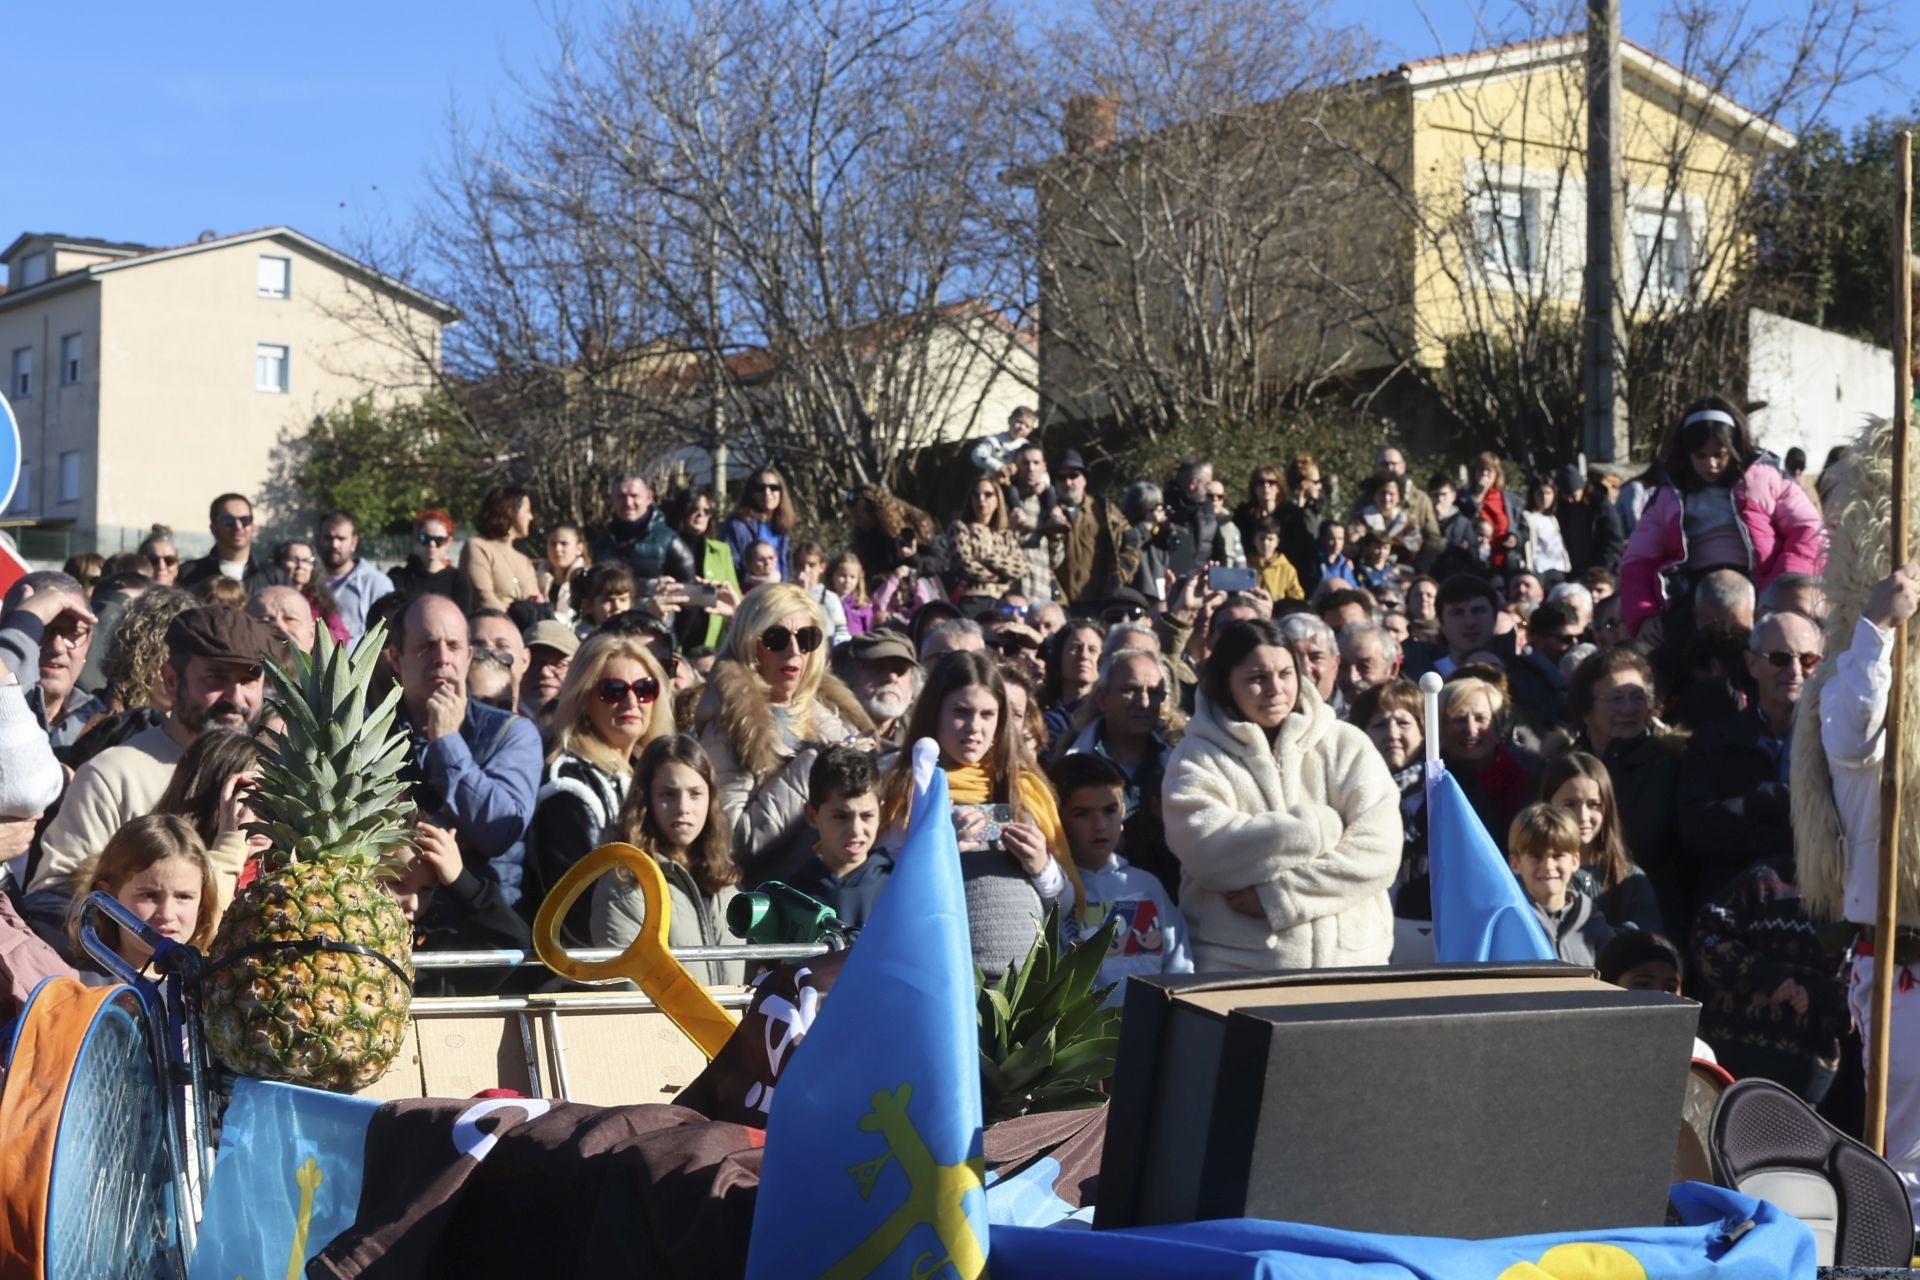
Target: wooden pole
(1604, 423)
(1887, 910)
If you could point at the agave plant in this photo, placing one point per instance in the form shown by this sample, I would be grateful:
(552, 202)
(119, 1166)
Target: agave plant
(1046, 1038)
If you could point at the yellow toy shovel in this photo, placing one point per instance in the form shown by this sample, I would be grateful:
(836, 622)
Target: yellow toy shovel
(646, 962)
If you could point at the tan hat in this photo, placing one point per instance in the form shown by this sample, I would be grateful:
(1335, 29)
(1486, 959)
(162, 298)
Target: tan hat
(551, 633)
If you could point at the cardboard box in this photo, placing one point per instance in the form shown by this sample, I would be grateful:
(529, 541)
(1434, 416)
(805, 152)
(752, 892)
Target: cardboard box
(1469, 1101)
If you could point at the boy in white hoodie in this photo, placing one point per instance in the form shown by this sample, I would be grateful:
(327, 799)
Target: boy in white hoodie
(1152, 936)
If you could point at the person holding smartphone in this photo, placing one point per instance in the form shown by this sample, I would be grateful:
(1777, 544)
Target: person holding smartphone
(1014, 858)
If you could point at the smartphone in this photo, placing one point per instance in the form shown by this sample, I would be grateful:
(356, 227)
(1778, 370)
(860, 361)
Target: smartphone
(998, 816)
(1223, 578)
(701, 597)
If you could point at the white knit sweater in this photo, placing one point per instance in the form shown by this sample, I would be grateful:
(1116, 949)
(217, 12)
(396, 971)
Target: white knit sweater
(30, 778)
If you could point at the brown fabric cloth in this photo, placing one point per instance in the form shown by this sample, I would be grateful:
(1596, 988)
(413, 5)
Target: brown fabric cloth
(1073, 1139)
(574, 1190)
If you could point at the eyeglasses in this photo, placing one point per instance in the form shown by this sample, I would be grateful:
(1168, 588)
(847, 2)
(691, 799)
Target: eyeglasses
(1267, 484)
(481, 653)
(163, 562)
(778, 639)
(1122, 613)
(614, 692)
(1015, 610)
(766, 488)
(433, 539)
(299, 562)
(1782, 658)
(1073, 475)
(1631, 697)
(231, 521)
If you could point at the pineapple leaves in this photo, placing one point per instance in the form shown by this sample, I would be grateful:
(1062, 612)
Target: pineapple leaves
(1046, 1040)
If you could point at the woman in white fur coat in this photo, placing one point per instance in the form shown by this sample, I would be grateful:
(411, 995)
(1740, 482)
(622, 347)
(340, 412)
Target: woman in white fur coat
(1285, 820)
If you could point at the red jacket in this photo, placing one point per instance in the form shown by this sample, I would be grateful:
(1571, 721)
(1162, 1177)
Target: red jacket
(1783, 531)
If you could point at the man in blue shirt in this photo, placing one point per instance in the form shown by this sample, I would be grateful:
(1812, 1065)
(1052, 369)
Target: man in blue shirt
(475, 769)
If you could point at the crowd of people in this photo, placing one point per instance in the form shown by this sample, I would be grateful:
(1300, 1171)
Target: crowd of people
(1187, 709)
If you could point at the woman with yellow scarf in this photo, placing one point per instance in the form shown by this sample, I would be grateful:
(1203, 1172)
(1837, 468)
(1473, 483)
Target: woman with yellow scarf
(1017, 866)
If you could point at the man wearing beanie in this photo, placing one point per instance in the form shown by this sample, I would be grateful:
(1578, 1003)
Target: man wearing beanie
(213, 680)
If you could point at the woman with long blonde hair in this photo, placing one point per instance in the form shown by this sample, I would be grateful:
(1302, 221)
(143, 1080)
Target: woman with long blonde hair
(614, 702)
(768, 707)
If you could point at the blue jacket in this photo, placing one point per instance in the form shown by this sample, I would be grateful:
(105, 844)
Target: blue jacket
(740, 533)
(482, 782)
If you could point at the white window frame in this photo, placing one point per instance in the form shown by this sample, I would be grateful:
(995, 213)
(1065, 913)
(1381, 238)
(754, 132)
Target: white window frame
(283, 268)
(1667, 235)
(1497, 208)
(68, 492)
(28, 275)
(72, 353)
(267, 351)
(20, 374)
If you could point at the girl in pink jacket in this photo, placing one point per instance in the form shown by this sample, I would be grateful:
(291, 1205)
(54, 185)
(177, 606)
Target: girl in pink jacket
(1725, 506)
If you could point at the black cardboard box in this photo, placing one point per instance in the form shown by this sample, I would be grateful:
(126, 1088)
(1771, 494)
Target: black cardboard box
(1469, 1101)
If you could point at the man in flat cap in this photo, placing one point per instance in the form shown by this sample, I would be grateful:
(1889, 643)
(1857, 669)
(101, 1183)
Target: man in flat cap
(213, 679)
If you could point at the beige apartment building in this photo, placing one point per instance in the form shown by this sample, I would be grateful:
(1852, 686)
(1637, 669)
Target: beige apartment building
(148, 380)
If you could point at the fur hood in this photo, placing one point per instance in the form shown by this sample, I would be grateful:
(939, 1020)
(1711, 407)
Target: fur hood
(1859, 555)
(733, 703)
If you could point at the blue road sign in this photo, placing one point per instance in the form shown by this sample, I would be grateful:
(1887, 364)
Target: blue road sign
(9, 453)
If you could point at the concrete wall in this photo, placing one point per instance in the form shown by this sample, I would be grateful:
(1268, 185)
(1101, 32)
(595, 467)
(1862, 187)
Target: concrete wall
(181, 420)
(1820, 388)
(55, 419)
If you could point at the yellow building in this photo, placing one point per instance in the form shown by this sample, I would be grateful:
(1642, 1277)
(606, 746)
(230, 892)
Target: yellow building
(146, 381)
(1445, 196)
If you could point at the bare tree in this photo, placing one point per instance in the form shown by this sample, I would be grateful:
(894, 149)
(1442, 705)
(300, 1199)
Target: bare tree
(1179, 245)
(1495, 315)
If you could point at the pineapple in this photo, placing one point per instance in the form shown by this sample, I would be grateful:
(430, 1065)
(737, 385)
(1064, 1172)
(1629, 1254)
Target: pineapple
(330, 797)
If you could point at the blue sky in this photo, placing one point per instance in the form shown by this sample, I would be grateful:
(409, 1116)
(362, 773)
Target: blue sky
(155, 122)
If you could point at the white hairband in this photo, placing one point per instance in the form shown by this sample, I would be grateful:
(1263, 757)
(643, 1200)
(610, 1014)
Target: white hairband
(1709, 415)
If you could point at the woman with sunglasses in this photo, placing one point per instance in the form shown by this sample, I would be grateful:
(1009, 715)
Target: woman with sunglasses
(429, 568)
(765, 514)
(162, 555)
(987, 557)
(768, 707)
(614, 701)
(696, 519)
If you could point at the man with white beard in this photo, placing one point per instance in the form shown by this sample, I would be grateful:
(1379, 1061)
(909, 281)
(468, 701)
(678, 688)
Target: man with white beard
(884, 674)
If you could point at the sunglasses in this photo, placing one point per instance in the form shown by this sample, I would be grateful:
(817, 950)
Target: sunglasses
(779, 639)
(766, 488)
(163, 562)
(1780, 658)
(614, 692)
(481, 653)
(1073, 475)
(433, 540)
(1016, 610)
(244, 522)
(1123, 613)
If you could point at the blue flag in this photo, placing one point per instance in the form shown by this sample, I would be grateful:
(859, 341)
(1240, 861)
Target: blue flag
(873, 1163)
(1479, 912)
(286, 1181)
(1726, 1236)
